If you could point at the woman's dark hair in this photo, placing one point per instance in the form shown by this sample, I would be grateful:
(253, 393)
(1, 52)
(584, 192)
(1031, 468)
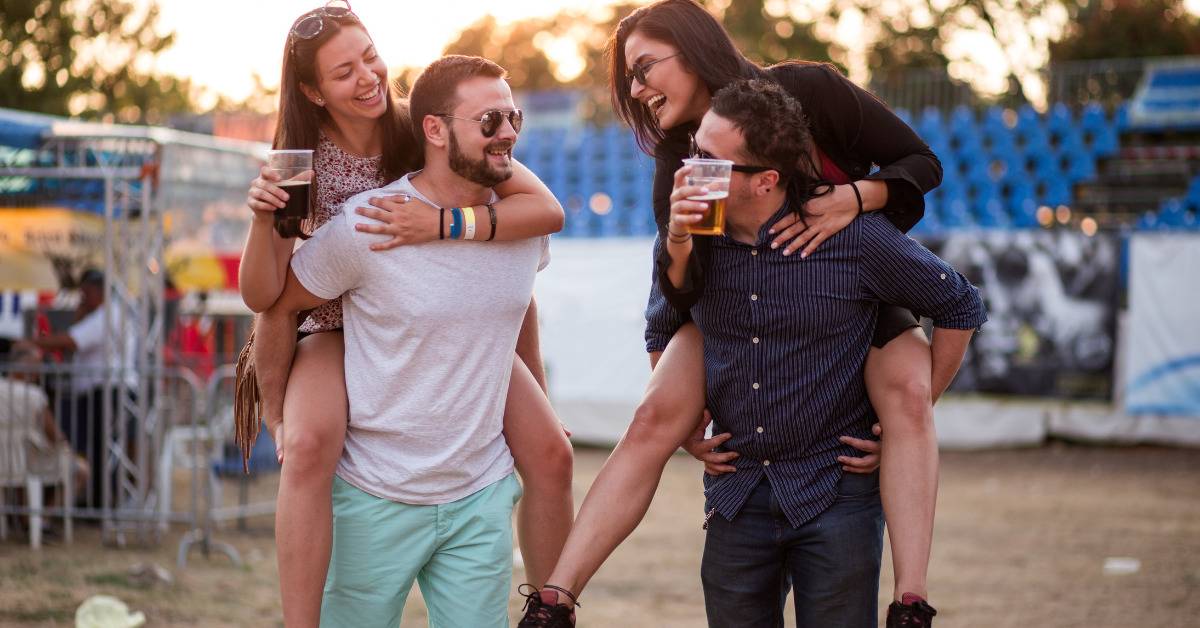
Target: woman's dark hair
(775, 134)
(300, 120)
(703, 43)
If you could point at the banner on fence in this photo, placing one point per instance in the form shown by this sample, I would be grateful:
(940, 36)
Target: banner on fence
(1051, 299)
(1163, 376)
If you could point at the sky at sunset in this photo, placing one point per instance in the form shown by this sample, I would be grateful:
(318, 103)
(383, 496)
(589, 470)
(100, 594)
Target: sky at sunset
(222, 44)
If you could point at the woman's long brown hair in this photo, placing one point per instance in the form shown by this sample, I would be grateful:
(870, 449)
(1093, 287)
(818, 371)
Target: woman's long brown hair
(300, 120)
(707, 50)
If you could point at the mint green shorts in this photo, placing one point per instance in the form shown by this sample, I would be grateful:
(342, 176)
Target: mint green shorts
(459, 553)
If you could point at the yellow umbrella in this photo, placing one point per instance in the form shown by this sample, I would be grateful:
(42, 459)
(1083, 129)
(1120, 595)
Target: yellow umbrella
(21, 269)
(193, 267)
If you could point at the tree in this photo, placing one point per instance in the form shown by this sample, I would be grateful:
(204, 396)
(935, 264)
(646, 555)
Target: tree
(767, 33)
(88, 59)
(1129, 28)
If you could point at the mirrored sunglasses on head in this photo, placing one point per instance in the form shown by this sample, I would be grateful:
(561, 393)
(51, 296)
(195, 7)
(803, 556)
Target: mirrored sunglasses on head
(311, 24)
(490, 121)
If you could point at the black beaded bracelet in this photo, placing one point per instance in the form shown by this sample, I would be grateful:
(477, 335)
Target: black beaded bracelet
(858, 196)
(492, 218)
(442, 223)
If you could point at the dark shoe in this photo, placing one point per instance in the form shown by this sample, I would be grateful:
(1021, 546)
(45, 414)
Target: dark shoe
(543, 610)
(910, 612)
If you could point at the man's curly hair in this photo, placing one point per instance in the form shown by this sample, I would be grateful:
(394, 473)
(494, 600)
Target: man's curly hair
(775, 131)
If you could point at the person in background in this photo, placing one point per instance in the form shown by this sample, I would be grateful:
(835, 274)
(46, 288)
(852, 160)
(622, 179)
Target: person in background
(26, 414)
(100, 328)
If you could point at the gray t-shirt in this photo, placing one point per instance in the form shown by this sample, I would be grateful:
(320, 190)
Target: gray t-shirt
(430, 331)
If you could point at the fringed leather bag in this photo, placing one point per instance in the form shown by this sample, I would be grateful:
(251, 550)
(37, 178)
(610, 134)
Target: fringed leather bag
(247, 403)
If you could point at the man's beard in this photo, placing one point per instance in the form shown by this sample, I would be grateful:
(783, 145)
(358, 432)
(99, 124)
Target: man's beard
(479, 170)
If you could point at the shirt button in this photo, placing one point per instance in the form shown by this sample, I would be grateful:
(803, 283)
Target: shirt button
(755, 386)
(759, 429)
(754, 252)
(943, 275)
(754, 297)
(766, 463)
(754, 340)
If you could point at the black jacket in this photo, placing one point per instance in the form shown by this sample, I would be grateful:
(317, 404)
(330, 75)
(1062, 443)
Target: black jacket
(849, 124)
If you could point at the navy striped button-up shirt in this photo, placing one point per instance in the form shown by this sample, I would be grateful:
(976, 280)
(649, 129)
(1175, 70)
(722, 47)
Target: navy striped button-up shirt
(785, 342)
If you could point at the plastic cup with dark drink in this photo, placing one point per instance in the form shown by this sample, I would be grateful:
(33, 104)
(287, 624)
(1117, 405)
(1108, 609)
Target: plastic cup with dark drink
(713, 174)
(295, 171)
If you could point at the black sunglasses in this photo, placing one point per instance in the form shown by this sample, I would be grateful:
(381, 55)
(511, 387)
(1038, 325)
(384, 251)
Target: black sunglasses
(490, 121)
(699, 153)
(311, 24)
(638, 71)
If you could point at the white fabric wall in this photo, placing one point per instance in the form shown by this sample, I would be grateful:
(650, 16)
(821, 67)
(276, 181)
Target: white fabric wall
(591, 301)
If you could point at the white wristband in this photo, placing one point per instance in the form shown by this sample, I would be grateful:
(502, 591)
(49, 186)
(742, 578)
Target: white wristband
(469, 219)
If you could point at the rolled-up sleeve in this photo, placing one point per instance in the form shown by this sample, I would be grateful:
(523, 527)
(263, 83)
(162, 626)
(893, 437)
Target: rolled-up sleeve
(662, 318)
(896, 269)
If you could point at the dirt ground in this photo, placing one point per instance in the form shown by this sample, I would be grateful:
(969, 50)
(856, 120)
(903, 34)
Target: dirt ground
(1022, 540)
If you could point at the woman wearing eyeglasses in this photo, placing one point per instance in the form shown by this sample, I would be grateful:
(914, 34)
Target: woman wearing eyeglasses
(667, 59)
(334, 98)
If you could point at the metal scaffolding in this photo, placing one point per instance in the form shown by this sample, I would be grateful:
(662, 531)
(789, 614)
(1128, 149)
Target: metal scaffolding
(132, 176)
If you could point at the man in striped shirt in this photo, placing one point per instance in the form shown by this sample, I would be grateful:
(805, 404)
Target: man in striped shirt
(785, 341)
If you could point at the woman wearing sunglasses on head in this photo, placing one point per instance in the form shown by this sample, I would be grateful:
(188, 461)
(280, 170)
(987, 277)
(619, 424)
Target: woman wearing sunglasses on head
(666, 61)
(334, 99)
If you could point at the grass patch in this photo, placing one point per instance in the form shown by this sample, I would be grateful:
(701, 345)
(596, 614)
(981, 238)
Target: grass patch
(115, 579)
(36, 615)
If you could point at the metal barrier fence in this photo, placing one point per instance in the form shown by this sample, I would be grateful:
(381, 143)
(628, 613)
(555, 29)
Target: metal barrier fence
(70, 432)
(1107, 81)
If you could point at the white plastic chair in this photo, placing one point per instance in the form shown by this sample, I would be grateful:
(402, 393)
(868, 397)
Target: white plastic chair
(28, 461)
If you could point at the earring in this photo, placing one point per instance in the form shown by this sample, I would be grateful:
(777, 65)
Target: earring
(321, 101)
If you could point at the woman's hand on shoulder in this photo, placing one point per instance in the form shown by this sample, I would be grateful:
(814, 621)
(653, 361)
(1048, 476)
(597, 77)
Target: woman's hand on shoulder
(406, 219)
(265, 197)
(827, 215)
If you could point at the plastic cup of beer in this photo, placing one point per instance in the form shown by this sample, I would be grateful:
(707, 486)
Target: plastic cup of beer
(295, 170)
(713, 174)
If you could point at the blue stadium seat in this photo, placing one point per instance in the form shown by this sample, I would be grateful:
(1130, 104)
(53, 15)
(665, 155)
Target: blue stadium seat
(1193, 194)
(1025, 213)
(1053, 191)
(1098, 133)
(930, 127)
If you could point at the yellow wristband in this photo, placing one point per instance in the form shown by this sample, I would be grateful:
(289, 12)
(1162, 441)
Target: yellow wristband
(469, 219)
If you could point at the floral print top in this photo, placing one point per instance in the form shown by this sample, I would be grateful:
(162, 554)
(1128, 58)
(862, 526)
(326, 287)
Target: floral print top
(340, 175)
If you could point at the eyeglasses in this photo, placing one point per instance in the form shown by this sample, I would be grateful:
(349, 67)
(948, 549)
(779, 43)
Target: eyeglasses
(311, 24)
(638, 71)
(490, 121)
(699, 153)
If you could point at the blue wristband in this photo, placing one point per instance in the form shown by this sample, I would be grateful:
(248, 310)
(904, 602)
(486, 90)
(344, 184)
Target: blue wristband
(456, 223)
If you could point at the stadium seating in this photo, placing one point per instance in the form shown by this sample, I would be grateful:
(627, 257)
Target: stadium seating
(999, 165)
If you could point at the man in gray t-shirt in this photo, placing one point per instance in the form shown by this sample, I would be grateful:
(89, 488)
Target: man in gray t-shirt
(425, 487)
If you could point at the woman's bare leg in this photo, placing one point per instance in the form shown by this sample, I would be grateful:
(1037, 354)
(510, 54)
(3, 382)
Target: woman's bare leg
(898, 383)
(315, 412)
(545, 462)
(621, 494)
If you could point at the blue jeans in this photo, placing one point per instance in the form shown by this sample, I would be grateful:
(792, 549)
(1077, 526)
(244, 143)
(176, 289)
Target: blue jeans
(831, 562)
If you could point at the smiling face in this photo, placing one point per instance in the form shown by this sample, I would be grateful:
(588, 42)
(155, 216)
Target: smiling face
(486, 161)
(673, 94)
(719, 138)
(351, 77)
